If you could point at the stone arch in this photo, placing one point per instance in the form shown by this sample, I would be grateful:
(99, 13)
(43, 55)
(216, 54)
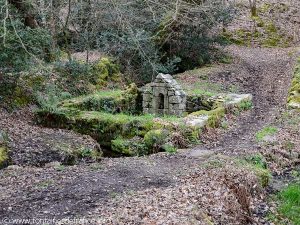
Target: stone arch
(161, 101)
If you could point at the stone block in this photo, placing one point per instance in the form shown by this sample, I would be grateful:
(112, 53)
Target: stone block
(177, 106)
(171, 93)
(160, 85)
(159, 90)
(146, 110)
(164, 76)
(198, 122)
(175, 99)
(232, 100)
(157, 80)
(146, 104)
(147, 97)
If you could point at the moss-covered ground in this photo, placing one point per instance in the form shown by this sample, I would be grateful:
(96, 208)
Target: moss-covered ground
(266, 28)
(123, 132)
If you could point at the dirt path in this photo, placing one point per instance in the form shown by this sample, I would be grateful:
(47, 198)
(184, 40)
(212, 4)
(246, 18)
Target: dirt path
(266, 74)
(56, 191)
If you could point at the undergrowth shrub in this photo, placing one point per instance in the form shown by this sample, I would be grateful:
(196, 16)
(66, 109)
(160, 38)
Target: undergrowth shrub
(130, 147)
(78, 77)
(50, 97)
(155, 139)
(22, 47)
(19, 89)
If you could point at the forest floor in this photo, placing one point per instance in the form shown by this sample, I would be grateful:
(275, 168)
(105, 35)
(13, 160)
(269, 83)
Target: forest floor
(193, 186)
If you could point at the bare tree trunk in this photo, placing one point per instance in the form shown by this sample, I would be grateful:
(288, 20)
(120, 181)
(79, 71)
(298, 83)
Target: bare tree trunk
(65, 30)
(53, 21)
(253, 8)
(87, 32)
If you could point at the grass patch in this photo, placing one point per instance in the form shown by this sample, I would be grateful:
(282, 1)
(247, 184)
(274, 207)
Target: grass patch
(245, 105)
(112, 101)
(289, 203)
(196, 82)
(257, 164)
(266, 132)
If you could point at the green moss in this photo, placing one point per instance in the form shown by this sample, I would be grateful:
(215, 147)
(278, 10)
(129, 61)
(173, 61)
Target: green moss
(155, 139)
(199, 92)
(257, 160)
(3, 156)
(215, 116)
(268, 35)
(264, 175)
(129, 147)
(108, 101)
(239, 37)
(294, 99)
(103, 126)
(295, 87)
(259, 21)
(265, 7)
(21, 98)
(245, 105)
(106, 71)
(72, 154)
(257, 164)
(124, 134)
(169, 148)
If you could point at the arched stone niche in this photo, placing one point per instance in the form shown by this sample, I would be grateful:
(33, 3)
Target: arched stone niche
(164, 96)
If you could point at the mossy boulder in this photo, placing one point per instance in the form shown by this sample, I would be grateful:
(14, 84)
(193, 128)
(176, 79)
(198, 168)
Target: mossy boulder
(69, 151)
(215, 116)
(129, 147)
(18, 90)
(155, 139)
(198, 102)
(123, 134)
(102, 126)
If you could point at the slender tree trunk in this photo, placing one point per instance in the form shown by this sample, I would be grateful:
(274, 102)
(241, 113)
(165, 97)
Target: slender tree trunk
(65, 30)
(253, 8)
(53, 21)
